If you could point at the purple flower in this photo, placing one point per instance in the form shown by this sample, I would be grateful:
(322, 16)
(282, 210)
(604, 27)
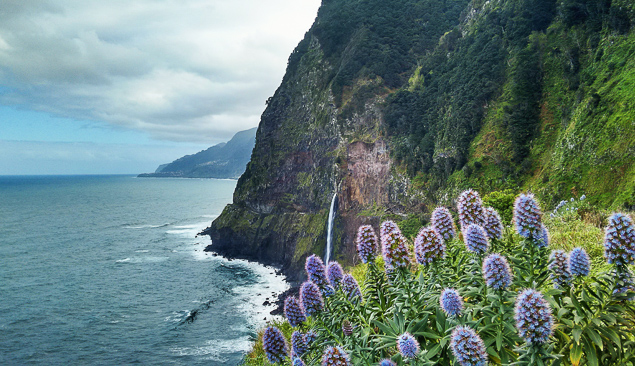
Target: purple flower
(347, 328)
(624, 282)
(559, 266)
(533, 317)
(298, 362)
(311, 298)
(315, 270)
(619, 240)
(366, 241)
(470, 208)
(527, 216)
(351, 288)
(335, 274)
(275, 345)
(451, 302)
(496, 272)
(444, 224)
(468, 347)
(543, 238)
(387, 362)
(493, 224)
(293, 311)
(429, 246)
(335, 356)
(579, 262)
(476, 239)
(393, 246)
(407, 345)
(298, 344)
(310, 337)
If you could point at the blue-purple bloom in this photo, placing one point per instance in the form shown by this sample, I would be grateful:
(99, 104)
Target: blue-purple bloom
(293, 311)
(429, 246)
(533, 317)
(527, 216)
(468, 347)
(335, 356)
(407, 345)
(444, 224)
(393, 246)
(347, 328)
(579, 262)
(351, 288)
(543, 238)
(451, 302)
(559, 267)
(493, 224)
(316, 271)
(619, 240)
(470, 208)
(298, 344)
(624, 281)
(496, 271)
(298, 362)
(366, 241)
(335, 273)
(310, 337)
(311, 298)
(476, 239)
(275, 345)
(387, 362)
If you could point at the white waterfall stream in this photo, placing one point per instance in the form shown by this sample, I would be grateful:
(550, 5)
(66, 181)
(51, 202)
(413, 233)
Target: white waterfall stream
(329, 233)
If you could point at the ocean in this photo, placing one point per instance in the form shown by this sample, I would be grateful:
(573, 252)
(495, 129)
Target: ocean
(107, 270)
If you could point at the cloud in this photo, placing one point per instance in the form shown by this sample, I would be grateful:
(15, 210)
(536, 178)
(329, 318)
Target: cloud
(186, 70)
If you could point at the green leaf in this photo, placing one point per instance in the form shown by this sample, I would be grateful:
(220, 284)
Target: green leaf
(595, 337)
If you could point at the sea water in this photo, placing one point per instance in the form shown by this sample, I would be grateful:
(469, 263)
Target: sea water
(107, 270)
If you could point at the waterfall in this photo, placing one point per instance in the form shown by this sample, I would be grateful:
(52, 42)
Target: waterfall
(329, 233)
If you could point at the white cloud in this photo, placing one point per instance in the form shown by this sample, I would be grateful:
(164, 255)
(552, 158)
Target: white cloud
(187, 70)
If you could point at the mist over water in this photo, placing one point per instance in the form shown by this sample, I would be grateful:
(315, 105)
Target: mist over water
(107, 270)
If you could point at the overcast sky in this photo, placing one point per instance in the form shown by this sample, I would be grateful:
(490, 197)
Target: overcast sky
(94, 86)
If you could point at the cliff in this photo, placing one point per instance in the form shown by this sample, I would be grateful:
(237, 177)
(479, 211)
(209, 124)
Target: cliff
(394, 106)
(224, 160)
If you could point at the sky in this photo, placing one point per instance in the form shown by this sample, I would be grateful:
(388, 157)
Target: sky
(119, 87)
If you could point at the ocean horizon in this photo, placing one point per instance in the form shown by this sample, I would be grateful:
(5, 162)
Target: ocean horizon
(107, 269)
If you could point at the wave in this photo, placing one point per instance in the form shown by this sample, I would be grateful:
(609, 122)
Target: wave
(214, 349)
(146, 226)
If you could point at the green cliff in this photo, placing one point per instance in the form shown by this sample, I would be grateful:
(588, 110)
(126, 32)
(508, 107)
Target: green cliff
(396, 105)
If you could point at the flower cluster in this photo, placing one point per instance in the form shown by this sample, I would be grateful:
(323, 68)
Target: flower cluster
(298, 344)
(366, 242)
(351, 288)
(619, 240)
(470, 208)
(393, 246)
(429, 246)
(493, 224)
(543, 238)
(451, 302)
(407, 345)
(311, 298)
(496, 271)
(315, 270)
(335, 356)
(293, 311)
(335, 273)
(274, 344)
(579, 262)
(443, 223)
(310, 336)
(527, 216)
(347, 328)
(476, 239)
(559, 266)
(624, 282)
(298, 362)
(533, 317)
(468, 347)
(387, 362)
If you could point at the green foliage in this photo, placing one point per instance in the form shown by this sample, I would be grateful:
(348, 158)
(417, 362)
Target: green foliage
(503, 202)
(410, 227)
